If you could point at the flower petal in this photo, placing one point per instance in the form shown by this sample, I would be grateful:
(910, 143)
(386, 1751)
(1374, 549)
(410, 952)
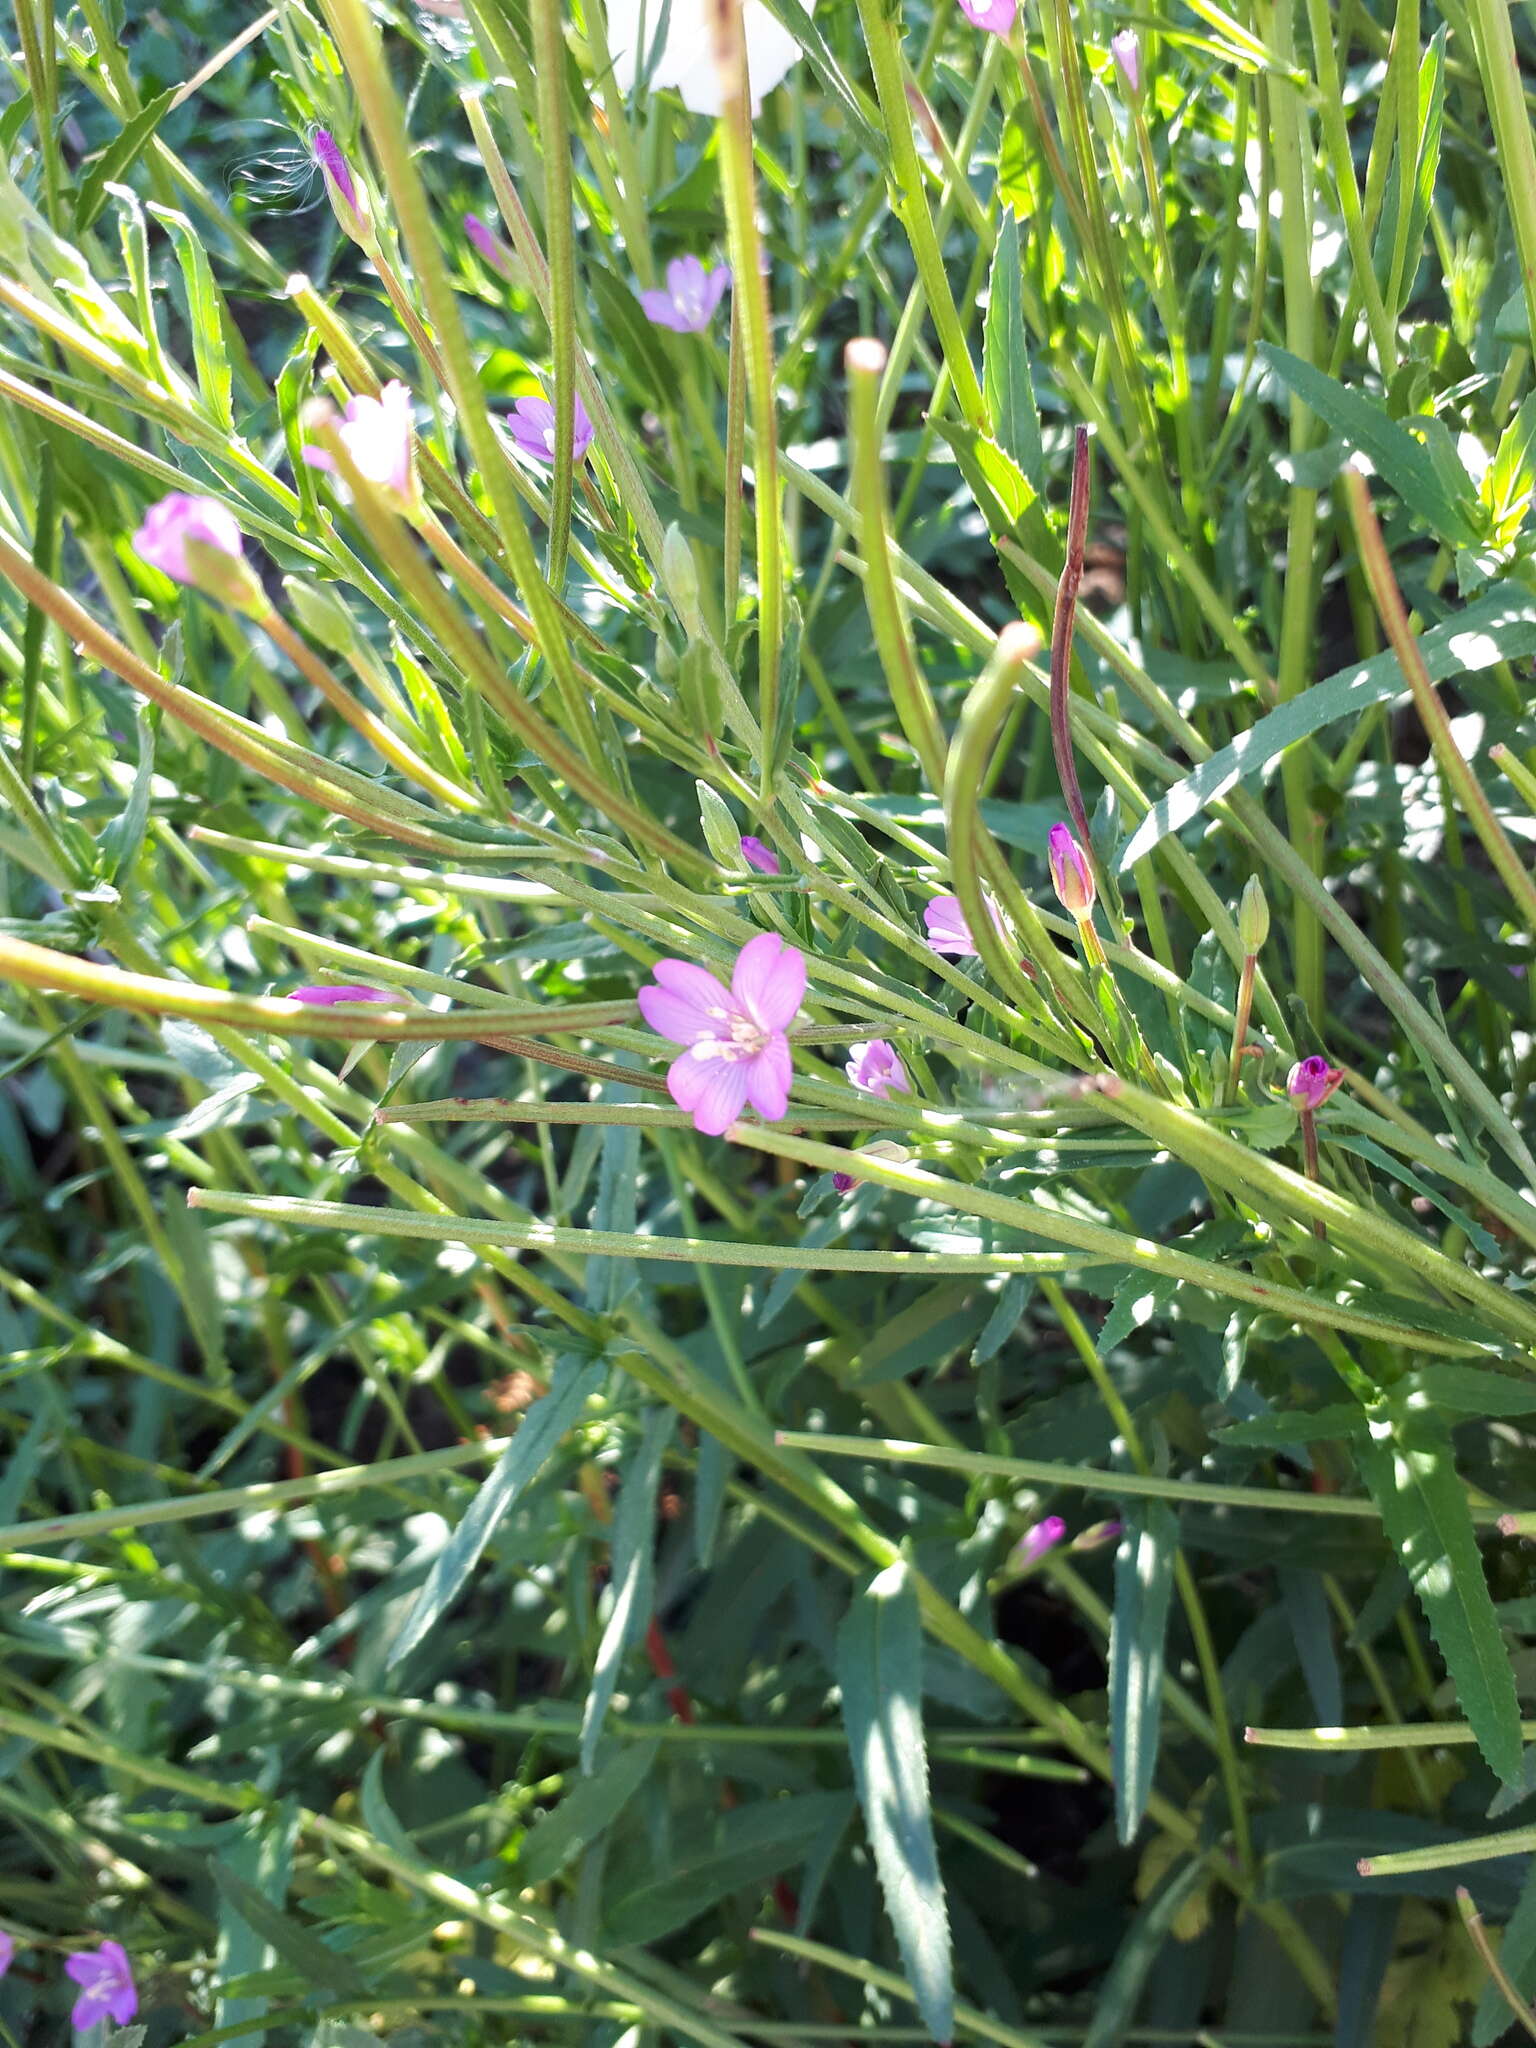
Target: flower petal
(674, 1016)
(769, 981)
(712, 1090)
(696, 985)
(768, 1079)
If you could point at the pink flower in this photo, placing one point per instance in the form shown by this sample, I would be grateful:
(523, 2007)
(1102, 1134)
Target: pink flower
(1311, 1081)
(844, 1183)
(996, 15)
(340, 992)
(875, 1067)
(533, 429)
(1035, 1542)
(106, 1987)
(490, 246)
(197, 541)
(7, 1951)
(1071, 873)
(347, 201)
(688, 304)
(1125, 48)
(757, 855)
(378, 435)
(948, 931)
(735, 1050)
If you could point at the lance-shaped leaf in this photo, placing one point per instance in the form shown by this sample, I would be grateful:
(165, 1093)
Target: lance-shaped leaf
(880, 1673)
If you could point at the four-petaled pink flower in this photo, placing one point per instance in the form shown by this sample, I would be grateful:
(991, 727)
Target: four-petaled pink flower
(874, 1066)
(106, 1987)
(688, 304)
(533, 429)
(379, 436)
(1311, 1081)
(735, 1050)
(1035, 1542)
(996, 15)
(490, 246)
(340, 992)
(197, 540)
(757, 855)
(948, 931)
(1125, 48)
(1071, 873)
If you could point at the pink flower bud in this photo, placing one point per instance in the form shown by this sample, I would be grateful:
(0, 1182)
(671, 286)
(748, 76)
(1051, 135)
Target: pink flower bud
(1125, 48)
(340, 992)
(1034, 1544)
(757, 855)
(1311, 1081)
(1071, 875)
(489, 246)
(348, 202)
(197, 541)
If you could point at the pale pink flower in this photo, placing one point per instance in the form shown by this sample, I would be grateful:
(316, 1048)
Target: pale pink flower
(688, 304)
(106, 1987)
(379, 436)
(948, 931)
(875, 1067)
(532, 427)
(996, 15)
(735, 1050)
(197, 540)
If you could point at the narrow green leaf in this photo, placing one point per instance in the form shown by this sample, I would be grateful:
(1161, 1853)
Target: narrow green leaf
(1117, 1996)
(1006, 381)
(262, 1858)
(1143, 1584)
(1468, 1390)
(1408, 1466)
(315, 1961)
(751, 1845)
(123, 149)
(879, 1672)
(540, 1431)
(205, 310)
(1517, 1953)
(797, 20)
(1366, 426)
(584, 1813)
(1498, 627)
(634, 1534)
(1278, 1432)
(1369, 1940)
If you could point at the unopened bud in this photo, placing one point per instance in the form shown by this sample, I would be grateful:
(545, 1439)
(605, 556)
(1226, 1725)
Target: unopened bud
(680, 574)
(349, 202)
(1253, 916)
(1071, 873)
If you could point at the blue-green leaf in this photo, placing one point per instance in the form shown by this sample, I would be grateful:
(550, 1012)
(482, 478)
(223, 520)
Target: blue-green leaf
(539, 1432)
(1498, 627)
(634, 1533)
(880, 1674)
(1143, 1583)
(1408, 1466)
(1403, 462)
(1006, 381)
